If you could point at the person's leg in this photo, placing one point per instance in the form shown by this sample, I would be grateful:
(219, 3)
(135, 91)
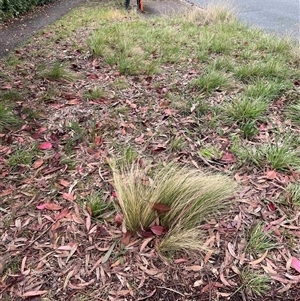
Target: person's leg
(140, 5)
(127, 2)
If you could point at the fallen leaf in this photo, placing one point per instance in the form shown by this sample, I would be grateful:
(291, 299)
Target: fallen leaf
(34, 293)
(161, 208)
(271, 175)
(295, 264)
(74, 101)
(62, 214)
(98, 140)
(228, 158)
(271, 206)
(118, 219)
(126, 238)
(259, 260)
(108, 253)
(38, 163)
(64, 183)
(49, 206)
(194, 268)
(68, 196)
(45, 146)
(158, 230)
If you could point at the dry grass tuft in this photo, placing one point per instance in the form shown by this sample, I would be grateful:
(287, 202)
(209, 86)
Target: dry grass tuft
(191, 195)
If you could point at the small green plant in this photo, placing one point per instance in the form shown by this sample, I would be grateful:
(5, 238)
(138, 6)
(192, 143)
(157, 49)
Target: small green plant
(270, 69)
(177, 144)
(249, 129)
(280, 155)
(266, 90)
(94, 94)
(254, 283)
(191, 196)
(7, 118)
(258, 240)
(293, 194)
(210, 152)
(20, 157)
(57, 72)
(10, 96)
(98, 205)
(292, 112)
(243, 109)
(211, 81)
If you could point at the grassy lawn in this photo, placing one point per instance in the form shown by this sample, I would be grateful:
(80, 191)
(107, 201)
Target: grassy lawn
(150, 158)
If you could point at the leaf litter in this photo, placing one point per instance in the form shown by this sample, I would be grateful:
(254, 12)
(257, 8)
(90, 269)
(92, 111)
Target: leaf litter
(50, 244)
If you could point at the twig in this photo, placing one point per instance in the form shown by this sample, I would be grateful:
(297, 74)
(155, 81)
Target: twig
(172, 290)
(207, 163)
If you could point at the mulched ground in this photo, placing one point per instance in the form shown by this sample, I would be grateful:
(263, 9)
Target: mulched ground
(52, 248)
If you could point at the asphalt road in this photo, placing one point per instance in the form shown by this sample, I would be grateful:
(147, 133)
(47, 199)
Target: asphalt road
(281, 17)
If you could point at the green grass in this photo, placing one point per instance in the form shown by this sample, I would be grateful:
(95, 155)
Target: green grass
(254, 283)
(193, 197)
(211, 81)
(57, 72)
(21, 157)
(280, 155)
(8, 119)
(94, 94)
(98, 205)
(258, 241)
(293, 195)
(292, 112)
(243, 109)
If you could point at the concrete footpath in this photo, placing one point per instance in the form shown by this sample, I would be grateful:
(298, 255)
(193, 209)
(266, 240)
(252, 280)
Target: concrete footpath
(13, 33)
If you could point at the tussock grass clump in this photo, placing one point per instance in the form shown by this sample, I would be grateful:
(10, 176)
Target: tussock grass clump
(191, 196)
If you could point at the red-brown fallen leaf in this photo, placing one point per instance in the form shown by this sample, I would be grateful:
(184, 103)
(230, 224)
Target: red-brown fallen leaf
(119, 219)
(161, 208)
(89, 210)
(228, 158)
(146, 233)
(74, 101)
(180, 260)
(158, 230)
(45, 146)
(102, 231)
(34, 293)
(211, 286)
(6, 192)
(296, 264)
(271, 174)
(64, 183)
(49, 206)
(126, 238)
(271, 206)
(38, 163)
(62, 214)
(98, 140)
(68, 196)
(194, 268)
